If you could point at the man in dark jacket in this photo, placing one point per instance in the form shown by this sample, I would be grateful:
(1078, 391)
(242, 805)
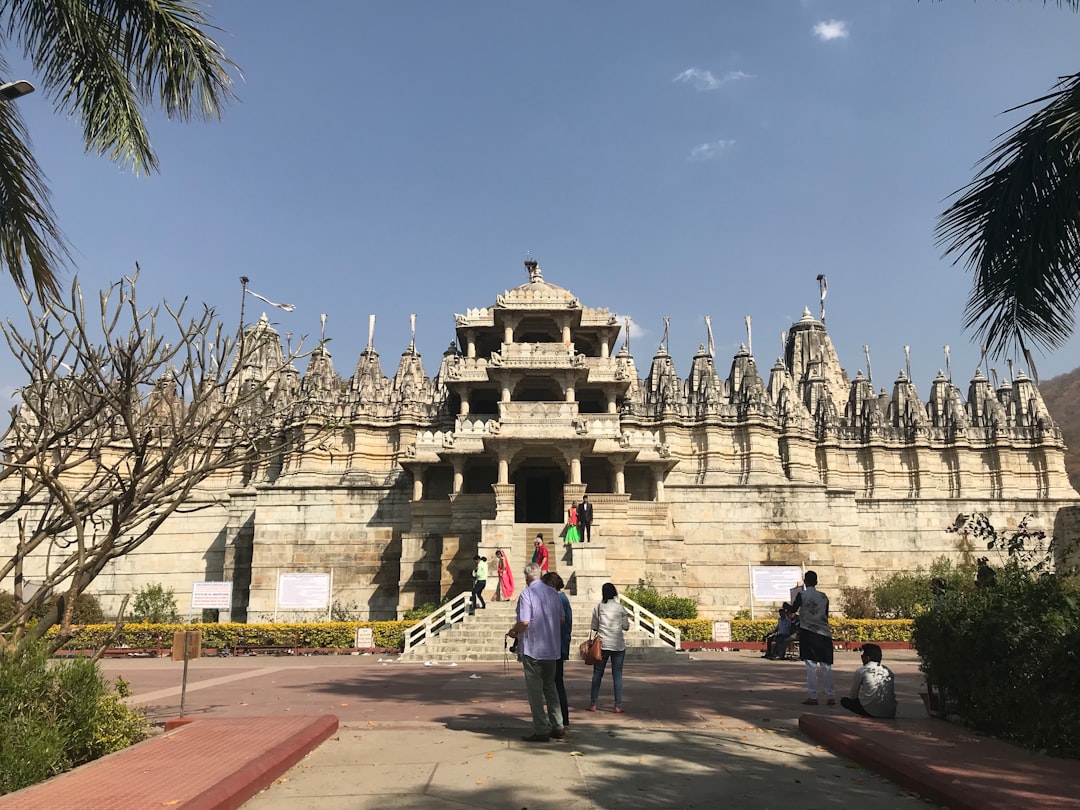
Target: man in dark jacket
(584, 516)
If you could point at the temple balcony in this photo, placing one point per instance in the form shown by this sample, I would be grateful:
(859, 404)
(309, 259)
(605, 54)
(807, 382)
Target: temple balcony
(554, 419)
(468, 369)
(547, 356)
(605, 369)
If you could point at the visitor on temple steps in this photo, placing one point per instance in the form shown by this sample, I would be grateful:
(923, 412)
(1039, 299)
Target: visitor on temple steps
(539, 616)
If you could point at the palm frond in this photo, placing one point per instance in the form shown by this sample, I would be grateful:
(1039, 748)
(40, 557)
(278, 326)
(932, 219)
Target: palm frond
(1017, 227)
(106, 60)
(29, 236)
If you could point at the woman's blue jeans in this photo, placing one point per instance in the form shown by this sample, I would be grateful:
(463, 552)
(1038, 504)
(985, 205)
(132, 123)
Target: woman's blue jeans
(617, 657)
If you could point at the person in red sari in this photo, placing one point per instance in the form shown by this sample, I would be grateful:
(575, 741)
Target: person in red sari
(505, 588)
(540, 555)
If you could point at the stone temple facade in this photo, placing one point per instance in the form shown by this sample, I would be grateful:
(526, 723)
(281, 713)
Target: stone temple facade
(692, 480)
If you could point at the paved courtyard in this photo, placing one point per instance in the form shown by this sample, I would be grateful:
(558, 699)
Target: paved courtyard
(705, 730)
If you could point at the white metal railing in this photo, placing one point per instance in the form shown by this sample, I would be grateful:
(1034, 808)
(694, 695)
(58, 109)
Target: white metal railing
(651, 624)
(449, 614)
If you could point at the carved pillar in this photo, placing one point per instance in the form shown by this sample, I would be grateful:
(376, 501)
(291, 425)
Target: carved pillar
(418, 482)
(508, 334)
(575, 468)
(506, 392)
(659, 486)
(605, 351)
(470, 349)
(464, 407)
(620, 476)
(459, 475)
(504, 505)
(570, 392)
(566, 333)
(504, 469)
(612, 405)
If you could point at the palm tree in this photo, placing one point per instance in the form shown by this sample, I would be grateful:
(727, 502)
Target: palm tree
(104, 61)
(1017, 227)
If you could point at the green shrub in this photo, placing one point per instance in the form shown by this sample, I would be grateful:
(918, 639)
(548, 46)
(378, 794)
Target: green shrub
(345, 611)
(87, 609)
(906, 594)
(903, 595)
(420, 611)
(56, 716)
(7, 606)
(857, 603)
(1006, 657)
(154, 604)
(666, 607)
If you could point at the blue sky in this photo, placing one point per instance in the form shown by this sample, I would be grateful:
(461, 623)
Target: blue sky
(659, 159)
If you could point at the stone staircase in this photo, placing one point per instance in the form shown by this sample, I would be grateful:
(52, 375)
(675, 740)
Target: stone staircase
(479, 637)
(456, 636)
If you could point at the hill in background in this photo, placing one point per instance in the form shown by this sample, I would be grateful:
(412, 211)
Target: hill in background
(1062, 397)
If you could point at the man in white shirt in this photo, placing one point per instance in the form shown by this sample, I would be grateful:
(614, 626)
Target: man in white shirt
(873, 689)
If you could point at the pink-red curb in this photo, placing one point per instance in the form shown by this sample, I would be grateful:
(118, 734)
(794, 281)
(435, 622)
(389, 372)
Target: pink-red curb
(208, 764)
(934, 777)
(258, 774)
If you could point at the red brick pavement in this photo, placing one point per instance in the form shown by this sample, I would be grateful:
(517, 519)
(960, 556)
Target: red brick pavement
(949, 765)
(210, 764)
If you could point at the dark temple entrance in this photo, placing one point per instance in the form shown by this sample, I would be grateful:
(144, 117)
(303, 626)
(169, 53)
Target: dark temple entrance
(538, 492)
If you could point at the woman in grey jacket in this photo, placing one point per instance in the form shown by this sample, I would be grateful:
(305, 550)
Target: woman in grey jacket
(609, 619)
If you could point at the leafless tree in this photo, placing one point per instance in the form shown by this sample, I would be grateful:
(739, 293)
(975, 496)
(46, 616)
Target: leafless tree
(120, 422)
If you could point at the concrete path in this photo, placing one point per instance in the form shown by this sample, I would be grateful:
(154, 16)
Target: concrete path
(706, 730)
(600, 766)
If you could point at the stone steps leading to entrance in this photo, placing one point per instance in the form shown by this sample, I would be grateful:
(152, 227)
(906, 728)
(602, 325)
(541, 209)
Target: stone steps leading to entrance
(479, 637)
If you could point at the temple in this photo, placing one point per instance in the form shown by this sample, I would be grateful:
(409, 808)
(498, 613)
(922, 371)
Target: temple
(534, 405)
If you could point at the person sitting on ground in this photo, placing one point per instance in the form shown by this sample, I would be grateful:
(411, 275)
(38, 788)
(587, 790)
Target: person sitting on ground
(873, 688)
(776, 642)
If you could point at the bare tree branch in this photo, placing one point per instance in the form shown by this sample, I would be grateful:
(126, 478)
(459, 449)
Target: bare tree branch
(117, 429)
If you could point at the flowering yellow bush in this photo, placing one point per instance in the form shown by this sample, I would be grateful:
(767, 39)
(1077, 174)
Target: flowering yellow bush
(860, 630)
(693, 629)
(387, 635)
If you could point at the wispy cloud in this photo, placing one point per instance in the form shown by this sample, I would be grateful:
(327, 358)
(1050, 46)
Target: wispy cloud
(710, 150)
(705, 80)
(826, 30)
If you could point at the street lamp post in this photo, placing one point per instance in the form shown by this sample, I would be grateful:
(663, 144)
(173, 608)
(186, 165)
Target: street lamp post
(14, 90)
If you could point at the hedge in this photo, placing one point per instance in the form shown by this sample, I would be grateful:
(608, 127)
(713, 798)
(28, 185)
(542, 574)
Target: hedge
(312, 635)
(842, 629)
(693, 629)
(391, 635)
(1006, 659)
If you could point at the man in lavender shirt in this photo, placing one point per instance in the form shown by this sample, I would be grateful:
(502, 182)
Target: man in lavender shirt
(539, 614)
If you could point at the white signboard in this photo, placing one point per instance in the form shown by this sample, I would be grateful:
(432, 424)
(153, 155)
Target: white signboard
(773, 583)
(211, 596)
(721, 631)
(303, 591)
(365, 638)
